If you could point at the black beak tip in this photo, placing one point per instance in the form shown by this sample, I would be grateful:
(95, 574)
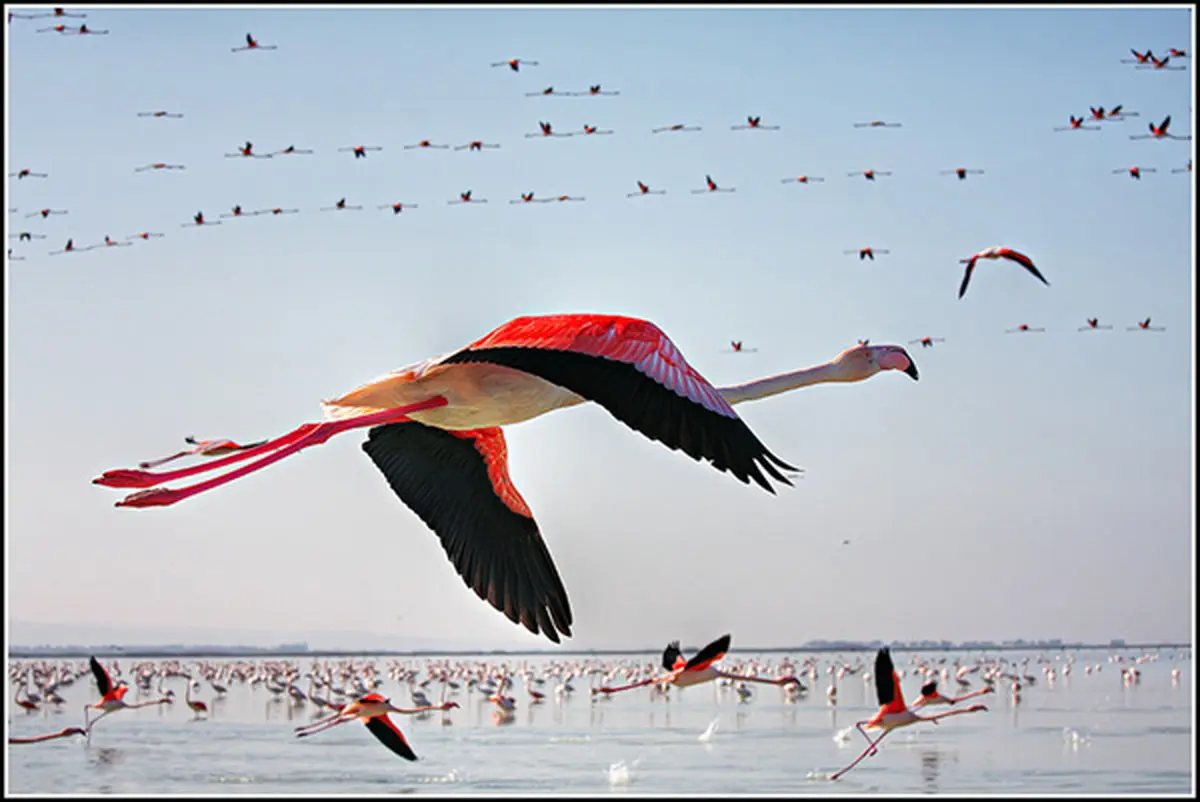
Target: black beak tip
(911, 370)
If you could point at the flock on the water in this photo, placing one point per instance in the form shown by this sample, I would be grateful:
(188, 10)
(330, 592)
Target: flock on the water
(439, 444)
(334, 692)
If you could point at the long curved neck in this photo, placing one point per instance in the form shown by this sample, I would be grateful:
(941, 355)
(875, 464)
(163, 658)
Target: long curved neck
(774, 385)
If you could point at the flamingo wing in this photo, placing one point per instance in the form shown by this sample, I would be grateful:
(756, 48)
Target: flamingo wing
(709, 654)
(966, 277)
(390, 736)
(1025, 262)
(929, 688)
(103, 681)
(887, 682)
(632, 369)
(458, 484)
(672, 657)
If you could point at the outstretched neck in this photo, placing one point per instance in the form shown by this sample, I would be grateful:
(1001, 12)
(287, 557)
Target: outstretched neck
(774, 385)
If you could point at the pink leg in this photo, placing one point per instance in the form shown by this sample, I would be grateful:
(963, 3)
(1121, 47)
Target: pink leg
(626, 687)
(870, 750)
(310, 434)
(156, 462)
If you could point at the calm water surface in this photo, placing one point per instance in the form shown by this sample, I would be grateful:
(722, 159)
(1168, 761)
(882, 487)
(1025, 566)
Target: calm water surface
(1081, 734)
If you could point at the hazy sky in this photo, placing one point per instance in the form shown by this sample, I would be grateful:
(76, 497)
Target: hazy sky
(1032, 486)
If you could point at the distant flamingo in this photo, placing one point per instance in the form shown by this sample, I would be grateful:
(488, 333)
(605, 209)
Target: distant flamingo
(675, 127)
(246, 151)
(930, 696)
(711, 186)
(546, 129)
(398, 207)
(1159, 64)
(158, 166)
(1117, 113)
(1160, 132)
(866, 253)
(26, 173)
(644, 189)
(252, 44)
(1134, 172)
(476, 144)
(754, 123)
(1093, 323)
(195, 705)
(514, 64)
(450, 465)
(359, 151)
(66, 732)
(927, 342)
(961, 172)
(1076, 124)
(877, 124)
(593, 91)
(868, 174)
(1024, 327)
(1145, 326)
(292, 150)
(1177, 53)
(1187, 169)
(683, 673)
(166, 114)
(198, 220)
(738, 348)
(892, 711)
(801, 179)
(547, 92)
(465, 197)
(372, 710)
(1138, 58)
(340, 206)
(202, 448)
(425, 143)
(591, 129)
(997, 252)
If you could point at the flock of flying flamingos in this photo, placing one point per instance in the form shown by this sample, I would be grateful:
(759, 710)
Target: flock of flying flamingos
(440, 445)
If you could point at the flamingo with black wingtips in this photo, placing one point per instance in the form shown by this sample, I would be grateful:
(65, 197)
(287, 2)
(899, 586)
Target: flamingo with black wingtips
(46, 212)
(739, 348)
(292, 150)
(475, 144)
(1158, 64)
(644, 189)
(372, 710)
(158, 166)
(930, 696)
(997, 252)
(252, 44)
(961, 172)
(866, 253)
(591, 129)
(1023, 328)
(1145, 326)
(893, 713)
(246, 151)
(359, 151)
(515, 64)
(1076, 124)
(438, 440)
(112, 697)
(426, 144)
(527, 197)
(711, 186)
(546, 129)
(675, 127)
(1093, 323)
(801, 179)
(399, 207)
(201, 448)
(145, 235)
(198, 220)
(276, 211)
(1160, 131)
(340, 206)
(755, 124)
(927, 342)
(869, 174)
(594, 91)
(25, 172)
(1138, 58)
(161, 114)
(465, 197)
(548, 92)
(1134, 172)
(1117, 113)
(683, 673)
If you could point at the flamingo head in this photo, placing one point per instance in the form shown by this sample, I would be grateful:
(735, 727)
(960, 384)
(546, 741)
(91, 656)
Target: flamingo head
(864, 361)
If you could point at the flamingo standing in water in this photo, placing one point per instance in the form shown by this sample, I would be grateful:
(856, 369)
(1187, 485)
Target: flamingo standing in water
(1093, 323)
(682, 672)
(111, 697)
(435, 435)
(373, 710)
(892, 711)
(66, 732)
(997, 252)
(195, 705)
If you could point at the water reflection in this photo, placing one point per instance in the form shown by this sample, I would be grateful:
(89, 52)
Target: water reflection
(107, 755)
(930, 769)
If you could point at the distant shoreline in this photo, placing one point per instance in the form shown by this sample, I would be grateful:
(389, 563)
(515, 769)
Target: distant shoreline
(294, 650)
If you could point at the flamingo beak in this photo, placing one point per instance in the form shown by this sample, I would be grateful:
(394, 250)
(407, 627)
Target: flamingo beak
(898, 359)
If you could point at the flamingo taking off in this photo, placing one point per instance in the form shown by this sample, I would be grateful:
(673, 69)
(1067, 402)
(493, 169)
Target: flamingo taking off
(111, 697)
(436, 437)
(373, 710)
(997, 252)
(892, 711)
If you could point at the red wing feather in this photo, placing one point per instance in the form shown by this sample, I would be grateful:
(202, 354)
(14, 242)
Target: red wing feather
(458, 484)
(390, 736)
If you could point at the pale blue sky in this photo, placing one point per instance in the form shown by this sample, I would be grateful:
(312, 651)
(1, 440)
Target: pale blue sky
(1027, 486)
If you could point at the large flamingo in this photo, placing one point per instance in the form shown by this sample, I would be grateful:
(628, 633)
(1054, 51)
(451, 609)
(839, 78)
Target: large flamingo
(202, 448)
(682, 672)
(893, 713)
(1160, 131)
(66, 732)
(997, 252)
(112, 697)
(436, 436)
(373, 710)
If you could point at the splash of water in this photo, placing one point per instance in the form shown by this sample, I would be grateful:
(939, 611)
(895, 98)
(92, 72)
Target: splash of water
(619, 773)
(707, 735)
(843, 736)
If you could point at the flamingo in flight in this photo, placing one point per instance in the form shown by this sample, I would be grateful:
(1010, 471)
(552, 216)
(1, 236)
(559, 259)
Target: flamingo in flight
(436, 436)
(1160, 131)
(893, 713)
(561, 198)
(399, 207)
(1177, 53)
(877, 124)
(198, 220)
(675, 127)
(927, 342)
(868, 174)
(201, 448)
(246, 151)
(163, 114)
(738, 348)
(1138, 58)
(158, 166)
(930, 696)
(252, 44)
(547, 92)
(1134, 172)
(425, 143)
(514, 64)
(1158, 64)
(1024, 327)
(291, 150)
(997, 252)
(109, 242)
(754, 123)
(340, 206)
(1145, 326)
(46, 212)
(546, 129)
(112, 697)
(84, 30)
(801, 179)
(27, 173)
(1187, 169)
(527, 197)
(593, 91)
(465, 197)
(60, 28)
(26, 236)
(66, 732)
(591, 129)
(475, 144)
(711, 186)
(1115, 113)
(1093, 323)
(961, 172)
(644, 189)
(276, 210)
(359, 151)
(56, 12)
(70, 248)
(1076, 124)
(683, 673)
(373, 710)
(145, 235)
(14, 258)
(865, 253)
(236, 211)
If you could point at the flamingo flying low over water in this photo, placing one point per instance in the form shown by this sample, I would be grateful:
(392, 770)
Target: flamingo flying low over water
(683, 673)
(436, 437)
(111, 697)
(373, 710)
(997, 252)
(893, 713)
(930, 696)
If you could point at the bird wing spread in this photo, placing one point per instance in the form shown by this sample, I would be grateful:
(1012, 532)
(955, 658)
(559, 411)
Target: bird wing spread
(709, 654)
(390, 736)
